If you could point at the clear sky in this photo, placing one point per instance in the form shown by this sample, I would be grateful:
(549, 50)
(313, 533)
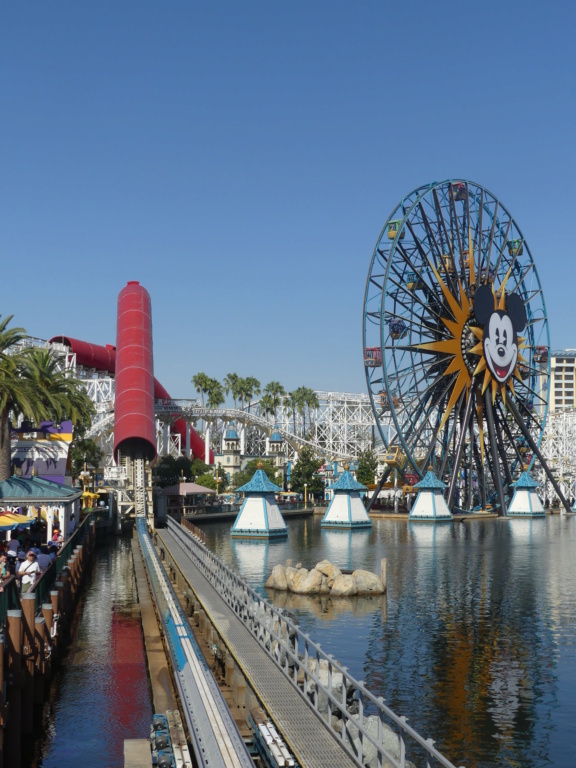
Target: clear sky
(239, 159)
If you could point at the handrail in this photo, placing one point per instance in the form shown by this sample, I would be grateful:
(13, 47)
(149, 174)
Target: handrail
(9, 598)
(51, 574)
(292, 650)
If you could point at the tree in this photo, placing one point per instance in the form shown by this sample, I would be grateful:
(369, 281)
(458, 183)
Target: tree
(232, 385)
(267, 405)
(276, 392)
(215, 394)
(208, 481)
(367, 465)
(309, 399)
(84, 451)
(305, 472)
(170, 470)
(291, 402)
(250, 387)
(33, 386)
(248, 472)
(201, 382)
(217, 481)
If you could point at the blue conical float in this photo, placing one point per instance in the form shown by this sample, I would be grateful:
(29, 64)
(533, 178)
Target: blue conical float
(526, 502)
(259, 516)
(430, 505)
(346, 510)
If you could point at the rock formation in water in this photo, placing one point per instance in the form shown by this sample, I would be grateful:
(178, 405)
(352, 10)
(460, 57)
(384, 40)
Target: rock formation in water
(326, 579)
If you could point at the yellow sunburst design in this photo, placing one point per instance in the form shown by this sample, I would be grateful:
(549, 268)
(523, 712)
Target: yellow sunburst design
(452, 346)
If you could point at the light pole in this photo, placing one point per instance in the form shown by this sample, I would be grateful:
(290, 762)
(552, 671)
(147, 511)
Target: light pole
(305, 494)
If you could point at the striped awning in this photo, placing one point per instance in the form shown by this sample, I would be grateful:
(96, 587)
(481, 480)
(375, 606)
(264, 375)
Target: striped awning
(10, 520)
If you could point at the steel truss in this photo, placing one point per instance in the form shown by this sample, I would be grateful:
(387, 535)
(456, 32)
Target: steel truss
(558, 446)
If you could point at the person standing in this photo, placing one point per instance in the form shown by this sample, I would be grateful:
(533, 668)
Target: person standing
(28, 572)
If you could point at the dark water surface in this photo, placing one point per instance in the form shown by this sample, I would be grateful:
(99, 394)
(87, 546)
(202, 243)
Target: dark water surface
(101, 695)
(475, 641)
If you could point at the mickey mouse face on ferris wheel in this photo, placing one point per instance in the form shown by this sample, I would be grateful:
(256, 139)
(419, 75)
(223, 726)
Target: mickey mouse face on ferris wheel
(501, 327)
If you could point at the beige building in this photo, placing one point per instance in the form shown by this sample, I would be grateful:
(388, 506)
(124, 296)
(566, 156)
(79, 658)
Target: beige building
(563, 379)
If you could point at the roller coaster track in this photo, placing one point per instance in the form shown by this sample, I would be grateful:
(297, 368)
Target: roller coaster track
(188, 410)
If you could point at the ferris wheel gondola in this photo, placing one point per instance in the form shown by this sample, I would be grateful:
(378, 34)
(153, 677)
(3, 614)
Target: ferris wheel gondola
(456, 340)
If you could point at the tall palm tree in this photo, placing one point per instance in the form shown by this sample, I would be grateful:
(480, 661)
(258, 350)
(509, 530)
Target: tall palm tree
(251, 388)
(201, 383)
(267, 405)
(215, 394)
(276, 392)
(33, 386)
(232, 385)
(291, 402)
(311, 401)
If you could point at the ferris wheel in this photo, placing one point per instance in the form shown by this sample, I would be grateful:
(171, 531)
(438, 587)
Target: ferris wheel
(456, 342)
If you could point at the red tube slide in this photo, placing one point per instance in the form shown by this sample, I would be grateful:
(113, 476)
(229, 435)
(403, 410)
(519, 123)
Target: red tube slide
(104, 359)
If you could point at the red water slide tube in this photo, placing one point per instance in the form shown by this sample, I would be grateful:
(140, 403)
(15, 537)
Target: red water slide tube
(104, 359)
(134, 426)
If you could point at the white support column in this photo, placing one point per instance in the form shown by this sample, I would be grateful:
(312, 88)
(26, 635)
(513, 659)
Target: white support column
(243, 440)
(65, 521)
(207, 444)
(188, 430)
(267, 449)
(166, 436)
(49, 523)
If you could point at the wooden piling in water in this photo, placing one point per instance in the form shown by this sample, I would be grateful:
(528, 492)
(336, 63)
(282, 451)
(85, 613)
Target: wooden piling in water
(28, 602)
(13, 689)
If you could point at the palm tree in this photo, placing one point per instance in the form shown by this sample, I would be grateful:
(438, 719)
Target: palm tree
(276, 392)
(63, 395)
(232, 385)
(311, 400)
(201, 382)
(250, 388)
(291, 404)
(33, 386)
(215, 394)
(267, 405)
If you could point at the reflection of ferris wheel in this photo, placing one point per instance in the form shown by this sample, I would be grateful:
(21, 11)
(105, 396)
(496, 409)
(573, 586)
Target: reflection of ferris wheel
(456, 345)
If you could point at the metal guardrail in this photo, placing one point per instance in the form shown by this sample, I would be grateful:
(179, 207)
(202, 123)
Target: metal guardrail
(10, 592)
(51, 574)
(324, 684)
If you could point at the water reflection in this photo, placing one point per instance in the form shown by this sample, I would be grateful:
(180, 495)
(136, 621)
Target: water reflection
(478, 644)
(346, 548)
(101, 696)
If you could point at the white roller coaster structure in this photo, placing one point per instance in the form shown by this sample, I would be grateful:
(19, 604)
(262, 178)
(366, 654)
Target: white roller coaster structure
(340, 428)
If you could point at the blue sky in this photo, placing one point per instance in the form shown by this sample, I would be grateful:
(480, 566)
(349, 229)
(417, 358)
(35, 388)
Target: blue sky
(240, 160)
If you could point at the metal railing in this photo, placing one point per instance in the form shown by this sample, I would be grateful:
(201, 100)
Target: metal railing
(367, 729)
(50, 576)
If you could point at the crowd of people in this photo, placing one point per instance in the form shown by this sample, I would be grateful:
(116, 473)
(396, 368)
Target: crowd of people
(26, 558)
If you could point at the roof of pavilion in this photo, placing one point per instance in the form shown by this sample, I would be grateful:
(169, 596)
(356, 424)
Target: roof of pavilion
(347, 482)
(525, 481)
(259, 484)
(36, 490)
(430, 482)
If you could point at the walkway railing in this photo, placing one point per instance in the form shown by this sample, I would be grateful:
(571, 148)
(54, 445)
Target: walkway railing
(50, 576)
(367, 729)
(10, 594)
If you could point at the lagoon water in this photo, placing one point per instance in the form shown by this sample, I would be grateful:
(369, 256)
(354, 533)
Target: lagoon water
(101, 695)
(475, 641)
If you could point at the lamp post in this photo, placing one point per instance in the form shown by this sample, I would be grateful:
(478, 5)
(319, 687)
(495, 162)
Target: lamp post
(85, 478)
(305, 494)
